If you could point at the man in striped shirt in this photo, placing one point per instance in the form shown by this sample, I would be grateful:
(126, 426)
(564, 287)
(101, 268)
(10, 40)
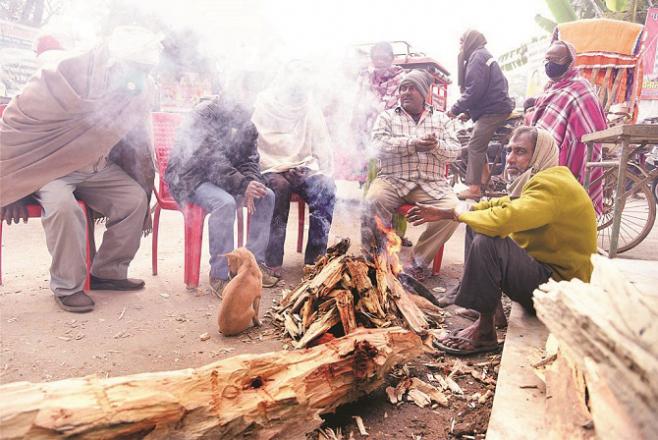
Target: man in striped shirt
(413, 142)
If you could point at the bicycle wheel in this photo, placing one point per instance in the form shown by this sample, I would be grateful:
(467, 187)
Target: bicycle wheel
(637, 218)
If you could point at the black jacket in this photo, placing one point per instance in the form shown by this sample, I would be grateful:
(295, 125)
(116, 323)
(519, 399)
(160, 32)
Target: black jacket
(485, 88)
(217, 144)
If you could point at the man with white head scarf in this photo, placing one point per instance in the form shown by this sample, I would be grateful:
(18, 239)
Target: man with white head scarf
(546, 228)
(56, 138)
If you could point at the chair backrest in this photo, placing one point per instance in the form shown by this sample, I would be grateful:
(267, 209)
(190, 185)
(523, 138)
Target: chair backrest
(164, 135)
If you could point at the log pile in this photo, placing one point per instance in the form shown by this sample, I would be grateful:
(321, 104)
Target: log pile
(602, 375)
(264, 396)
(341, 293)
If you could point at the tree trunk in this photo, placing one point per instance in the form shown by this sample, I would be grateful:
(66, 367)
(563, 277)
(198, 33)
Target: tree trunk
(263, 396)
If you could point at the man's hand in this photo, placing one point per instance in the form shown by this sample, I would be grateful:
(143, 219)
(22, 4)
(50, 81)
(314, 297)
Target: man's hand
(419, 215)
(255, 190)
(464, 117)
(451, 115)
(426, 143)
(14, 212)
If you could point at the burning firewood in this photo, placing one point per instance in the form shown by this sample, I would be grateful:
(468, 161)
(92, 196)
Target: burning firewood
(343, 292)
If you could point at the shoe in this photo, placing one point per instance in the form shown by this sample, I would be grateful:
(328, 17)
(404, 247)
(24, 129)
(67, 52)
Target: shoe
(79, 302)
(217, 286)
(406, 242)
(269, 278)
(418, 272)
(122, 285)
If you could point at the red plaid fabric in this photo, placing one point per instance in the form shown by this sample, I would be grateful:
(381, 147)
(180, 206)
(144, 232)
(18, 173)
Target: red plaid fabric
(393, 139)
(570, 109)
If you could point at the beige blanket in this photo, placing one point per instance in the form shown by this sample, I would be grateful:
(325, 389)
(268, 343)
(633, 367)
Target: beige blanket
(65, 119)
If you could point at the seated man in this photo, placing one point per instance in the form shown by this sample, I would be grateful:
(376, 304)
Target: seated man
(56, 141)
(214, 164)
(545, 228)
(295, 152)
(413, 143)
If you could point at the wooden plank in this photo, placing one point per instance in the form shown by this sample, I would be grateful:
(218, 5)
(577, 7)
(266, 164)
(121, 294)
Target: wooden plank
(609, 323)
(635, 133)
(519, 402)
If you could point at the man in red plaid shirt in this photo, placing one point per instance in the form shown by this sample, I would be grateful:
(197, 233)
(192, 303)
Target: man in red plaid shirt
(569, 109)
(413, 143)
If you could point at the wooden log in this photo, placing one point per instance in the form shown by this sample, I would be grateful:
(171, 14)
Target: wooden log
(414, 317)
(345, 305)
(264, 396)
(609, 329)
(329, 276)
(358, 270)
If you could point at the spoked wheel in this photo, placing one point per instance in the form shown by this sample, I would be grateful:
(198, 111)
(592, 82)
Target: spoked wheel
(637, 218)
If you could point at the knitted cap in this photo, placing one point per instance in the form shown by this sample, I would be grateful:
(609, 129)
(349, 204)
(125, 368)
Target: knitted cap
(420, 79)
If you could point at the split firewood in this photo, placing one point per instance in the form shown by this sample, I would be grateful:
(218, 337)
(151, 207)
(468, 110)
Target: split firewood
(371, 302)
(345, 305)
(360, 425)
(291, 326)
(271, 395)
(325, 281)
(392, 395)
(414, 317)
(358, 270)
(307, 314)
(418, 397)
(319, 327)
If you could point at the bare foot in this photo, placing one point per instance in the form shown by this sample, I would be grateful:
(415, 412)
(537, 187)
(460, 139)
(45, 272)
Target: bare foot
(478, 335)
(500, 320)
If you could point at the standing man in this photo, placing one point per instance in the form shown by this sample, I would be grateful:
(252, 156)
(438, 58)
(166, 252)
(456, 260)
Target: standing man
(55, 139)
(569, 109)
(485, 100)
(545, 228)
(215, 164)
(413, 143)
(295, 157)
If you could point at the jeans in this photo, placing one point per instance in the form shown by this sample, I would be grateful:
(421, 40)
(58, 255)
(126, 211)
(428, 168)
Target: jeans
(319, 192)
(222, 208)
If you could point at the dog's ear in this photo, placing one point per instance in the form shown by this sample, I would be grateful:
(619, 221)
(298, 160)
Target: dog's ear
(233, 261)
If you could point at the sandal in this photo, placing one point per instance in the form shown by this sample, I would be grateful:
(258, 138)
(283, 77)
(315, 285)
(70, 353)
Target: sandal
(467, 195)
(489, 347)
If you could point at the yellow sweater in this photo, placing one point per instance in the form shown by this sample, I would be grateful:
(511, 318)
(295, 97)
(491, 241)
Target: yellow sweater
(553, 220)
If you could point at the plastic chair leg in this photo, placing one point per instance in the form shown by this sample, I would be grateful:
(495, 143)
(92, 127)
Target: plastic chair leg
(239, 215)
(154, 239)
(438, 259)
(193, 216)
(87, 285)
(300, 225)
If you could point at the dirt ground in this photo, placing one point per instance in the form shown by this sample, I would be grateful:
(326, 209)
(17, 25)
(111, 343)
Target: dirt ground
(159, 328)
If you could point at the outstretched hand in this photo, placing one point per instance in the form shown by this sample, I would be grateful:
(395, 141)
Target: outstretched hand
(419, 215)
(14, 212)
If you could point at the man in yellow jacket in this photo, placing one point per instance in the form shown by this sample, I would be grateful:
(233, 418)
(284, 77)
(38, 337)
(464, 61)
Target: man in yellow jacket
(545, 228)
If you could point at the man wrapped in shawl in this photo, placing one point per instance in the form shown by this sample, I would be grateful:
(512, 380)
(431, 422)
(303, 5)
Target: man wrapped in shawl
(295, 157)
(80, 130)
(569, 109)
(545, 228)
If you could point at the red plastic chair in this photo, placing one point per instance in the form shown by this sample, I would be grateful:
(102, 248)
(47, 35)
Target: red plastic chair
(301, 213)
(438, 258)
(35, 211)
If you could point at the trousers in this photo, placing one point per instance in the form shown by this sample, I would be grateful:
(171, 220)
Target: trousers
(112, 193)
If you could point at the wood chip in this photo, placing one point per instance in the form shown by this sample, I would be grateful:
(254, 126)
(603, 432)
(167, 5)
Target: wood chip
(122, 313)
(418, 397)
(454, 386)
(360, 425)
(392, 395)
(430, 390)
(204, 336)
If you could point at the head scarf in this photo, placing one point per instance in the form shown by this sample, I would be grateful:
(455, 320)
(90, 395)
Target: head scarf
(471, 40)
(545, 155)
(420, 79)
(572, 59)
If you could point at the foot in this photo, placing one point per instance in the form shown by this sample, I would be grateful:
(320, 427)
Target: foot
(476, 338)
(217, 286)
(79, 302)
(469, 194)
(500, 320)
(122, 285)
(418, 272)
(449, 297)
(269, 279)
(406, 242)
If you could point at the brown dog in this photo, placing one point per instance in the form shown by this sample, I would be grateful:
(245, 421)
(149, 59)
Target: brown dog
(241, 296)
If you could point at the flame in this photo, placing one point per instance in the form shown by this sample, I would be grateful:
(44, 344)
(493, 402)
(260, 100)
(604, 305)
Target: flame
(393, 245)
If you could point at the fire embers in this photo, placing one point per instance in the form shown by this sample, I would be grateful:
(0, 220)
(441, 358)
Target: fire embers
(343, 292)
